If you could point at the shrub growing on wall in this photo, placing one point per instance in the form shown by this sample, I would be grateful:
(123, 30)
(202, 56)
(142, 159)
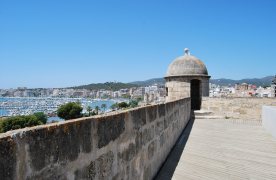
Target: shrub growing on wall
(70, 110)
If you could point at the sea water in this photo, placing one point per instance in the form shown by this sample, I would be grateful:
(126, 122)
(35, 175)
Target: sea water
(11, 106)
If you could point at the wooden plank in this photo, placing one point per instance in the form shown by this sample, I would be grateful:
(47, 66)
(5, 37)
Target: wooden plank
(227, 149)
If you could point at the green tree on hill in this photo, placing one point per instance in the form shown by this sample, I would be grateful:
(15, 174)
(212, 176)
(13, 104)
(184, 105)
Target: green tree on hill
(97, 108)
(89, 110)
(1, 125)
(71, 110)
(126, 96)
(17, 122)
(114, 106)
(41, 117)
(103, 106)
(123, 105)
(133, 103)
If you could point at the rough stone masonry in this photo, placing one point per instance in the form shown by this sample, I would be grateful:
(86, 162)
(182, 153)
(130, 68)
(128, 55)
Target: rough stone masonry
(126, 145)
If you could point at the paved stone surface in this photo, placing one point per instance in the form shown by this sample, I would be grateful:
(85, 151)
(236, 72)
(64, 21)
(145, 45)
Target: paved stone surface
(222, 149)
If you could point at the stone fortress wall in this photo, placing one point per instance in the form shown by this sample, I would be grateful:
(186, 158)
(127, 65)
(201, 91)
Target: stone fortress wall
(124, 145)
(177, 89)
(247, 108)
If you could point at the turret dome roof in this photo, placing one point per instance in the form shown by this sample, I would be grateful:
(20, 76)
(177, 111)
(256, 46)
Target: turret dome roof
(187, 65)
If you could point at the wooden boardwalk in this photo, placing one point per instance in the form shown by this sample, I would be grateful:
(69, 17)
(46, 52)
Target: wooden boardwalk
(222, 149)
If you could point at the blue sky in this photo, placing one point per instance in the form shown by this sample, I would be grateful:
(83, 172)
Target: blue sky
(65, 43)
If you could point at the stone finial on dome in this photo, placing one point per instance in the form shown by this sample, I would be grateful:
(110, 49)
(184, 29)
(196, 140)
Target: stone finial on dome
(187, 51)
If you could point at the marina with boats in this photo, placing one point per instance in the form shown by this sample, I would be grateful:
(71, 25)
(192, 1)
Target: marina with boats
(12, 106)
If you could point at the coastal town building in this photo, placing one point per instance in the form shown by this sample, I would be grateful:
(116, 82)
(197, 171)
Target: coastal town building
(273, 87)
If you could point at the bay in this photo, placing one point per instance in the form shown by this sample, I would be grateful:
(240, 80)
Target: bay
(11, 106)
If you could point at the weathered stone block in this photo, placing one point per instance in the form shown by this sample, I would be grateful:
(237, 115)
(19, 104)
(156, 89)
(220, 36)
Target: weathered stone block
(58, 144)
(169, 107)
(147, 135)
(104, 165)
(88, 172)
(175, 125)
(162, 140)
(151, 149)
(161, 110)
(147, 173)
(91, 170)
(110, 128)
(170, 119)
(53, 173)
(128, 154)
(116, 177)
(159, 127)
(7, 158)
(138, 118)
(137, 167)
(151, 113)
(166, 123)
(138, 141)
(101, 168)
(176, 114)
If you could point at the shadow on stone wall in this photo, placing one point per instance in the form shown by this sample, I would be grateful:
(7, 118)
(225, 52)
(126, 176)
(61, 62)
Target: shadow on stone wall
(167, 170)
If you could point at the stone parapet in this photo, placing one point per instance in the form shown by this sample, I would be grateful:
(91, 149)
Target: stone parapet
(247, 108)
(131, 144)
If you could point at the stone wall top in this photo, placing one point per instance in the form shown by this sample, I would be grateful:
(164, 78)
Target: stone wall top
(79, 120)
(130, 144)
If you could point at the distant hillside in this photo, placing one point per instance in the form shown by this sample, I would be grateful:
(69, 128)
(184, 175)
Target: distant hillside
(149, 82)
(266, 81)
(114, 86)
